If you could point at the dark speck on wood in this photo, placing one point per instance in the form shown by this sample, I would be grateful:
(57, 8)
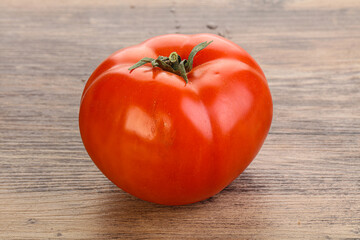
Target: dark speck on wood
(31, 221)
(211, 25)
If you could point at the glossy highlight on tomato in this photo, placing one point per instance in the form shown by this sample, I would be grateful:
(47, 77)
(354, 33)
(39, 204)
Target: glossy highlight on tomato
(167, 141)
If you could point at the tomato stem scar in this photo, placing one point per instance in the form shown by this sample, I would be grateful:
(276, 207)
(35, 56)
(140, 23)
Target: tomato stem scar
(173, 63)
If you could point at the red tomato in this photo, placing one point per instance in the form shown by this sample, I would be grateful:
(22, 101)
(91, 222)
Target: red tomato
(169, 142)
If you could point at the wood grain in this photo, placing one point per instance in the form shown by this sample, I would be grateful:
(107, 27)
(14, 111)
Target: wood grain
(305, 182)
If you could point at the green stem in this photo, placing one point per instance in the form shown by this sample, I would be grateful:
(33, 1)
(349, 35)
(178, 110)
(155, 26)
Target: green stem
(173, 63)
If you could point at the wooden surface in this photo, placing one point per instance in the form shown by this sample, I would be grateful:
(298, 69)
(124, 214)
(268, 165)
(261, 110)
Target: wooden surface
(305, 182)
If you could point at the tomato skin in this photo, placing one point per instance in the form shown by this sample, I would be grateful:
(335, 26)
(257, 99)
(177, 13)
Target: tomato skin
(168, 142)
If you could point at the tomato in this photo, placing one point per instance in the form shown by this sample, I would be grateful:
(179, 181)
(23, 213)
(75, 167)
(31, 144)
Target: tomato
(167, 141)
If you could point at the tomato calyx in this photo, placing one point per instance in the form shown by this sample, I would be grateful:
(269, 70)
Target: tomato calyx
(173, 63)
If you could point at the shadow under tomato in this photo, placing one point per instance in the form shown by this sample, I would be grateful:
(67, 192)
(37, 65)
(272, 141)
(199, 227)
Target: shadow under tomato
(231, 212)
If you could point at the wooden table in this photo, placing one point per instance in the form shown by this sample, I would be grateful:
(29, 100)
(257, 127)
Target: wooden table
(305, 182)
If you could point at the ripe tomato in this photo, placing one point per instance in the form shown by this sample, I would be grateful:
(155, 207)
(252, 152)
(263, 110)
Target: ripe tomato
(171, 142)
